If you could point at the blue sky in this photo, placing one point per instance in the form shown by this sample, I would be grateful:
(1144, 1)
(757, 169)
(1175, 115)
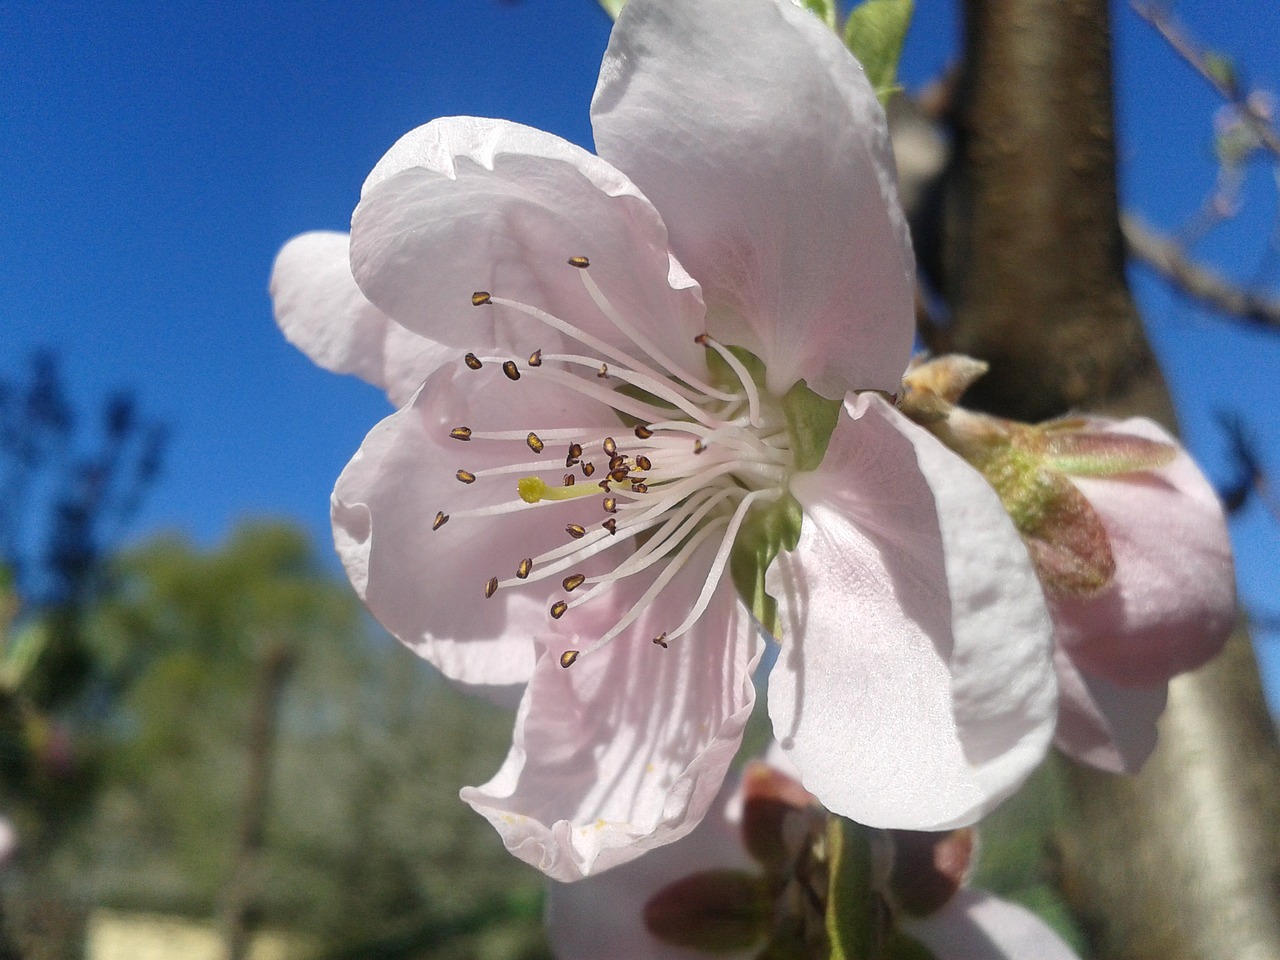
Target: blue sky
(156, 155)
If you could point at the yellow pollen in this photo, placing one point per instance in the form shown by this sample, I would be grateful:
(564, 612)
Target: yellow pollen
(535, 490)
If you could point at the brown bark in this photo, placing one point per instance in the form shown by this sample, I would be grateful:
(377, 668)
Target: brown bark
(241, 892)
(1183, 861)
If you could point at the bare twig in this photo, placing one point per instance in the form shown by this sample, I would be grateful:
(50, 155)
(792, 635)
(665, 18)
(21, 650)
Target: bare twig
(1169, 260)
(1201, 61)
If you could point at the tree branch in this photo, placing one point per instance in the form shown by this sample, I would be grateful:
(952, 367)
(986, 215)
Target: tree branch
(1169, 260)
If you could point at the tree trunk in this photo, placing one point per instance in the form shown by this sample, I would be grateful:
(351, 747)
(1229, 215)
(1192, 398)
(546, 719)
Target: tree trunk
(1183, 861)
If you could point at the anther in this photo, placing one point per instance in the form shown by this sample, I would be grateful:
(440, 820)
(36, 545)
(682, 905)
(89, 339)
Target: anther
(509, 368)
(610, 505)
(567, 658)
(603, 372)
(661, 639)
(574, 455)
(639, 488)
(701, 339)
(535, 358)
(557, 610)
(604, 484)
(568, 480)
(617, 476)
(534, 443)
(480, 298)
(698, 446)
(574, 582)
(644, 463)
(610, 446)
(466, 476)
(472, 361)
(575, 530)
(611, 525)
(491, 587)
(441, 519)
(643, 432)
(580, 262)
(616, 462)
(637, 480)
(525, 568)
(588, 469)
(460, 433)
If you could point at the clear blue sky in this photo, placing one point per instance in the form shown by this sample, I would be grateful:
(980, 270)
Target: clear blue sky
(154, 157)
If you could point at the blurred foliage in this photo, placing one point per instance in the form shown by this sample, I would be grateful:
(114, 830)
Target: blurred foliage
(367, 848)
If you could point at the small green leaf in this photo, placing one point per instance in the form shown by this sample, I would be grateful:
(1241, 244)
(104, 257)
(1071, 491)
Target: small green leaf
(613, 7)
(851, 907)
(874, 33)
(811, 419)
(825, 9)
(768, 530)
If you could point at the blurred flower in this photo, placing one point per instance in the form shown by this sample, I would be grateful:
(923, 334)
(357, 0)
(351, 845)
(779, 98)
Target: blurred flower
(630, 419)
(751, 881)
(1130, 543)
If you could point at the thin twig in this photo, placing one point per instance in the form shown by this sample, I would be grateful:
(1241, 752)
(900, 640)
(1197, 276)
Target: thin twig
(1171, 262)
(1197, 58)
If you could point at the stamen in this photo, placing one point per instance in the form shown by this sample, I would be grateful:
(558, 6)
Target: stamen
(643, 463)
(588, 468)
(525, 568)
(480, 298)
(748, 385)
(574, 455)
(661, 640)
(534, 443)
(575, 530)
(568, 480)
(557, 609)
(643, 432)
(603, 372)
(567, 658)
(610, 505)
(574, 582)
(491, 587)
(441, 519)
(611, 525)
(610, 446)
(510, 369)
(466, 476)
(580, 262)
(535, 358)
(472, 361)
(460, 433)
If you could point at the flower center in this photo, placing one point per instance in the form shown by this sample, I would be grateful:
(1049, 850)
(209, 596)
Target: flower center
(685, 466)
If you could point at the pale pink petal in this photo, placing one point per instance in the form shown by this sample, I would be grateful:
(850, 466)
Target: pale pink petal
(759, 138)
(1108, 727)
(914, 688)
(462, 205)
(977, 926)
(1172, 603)
(427, 586)
(602, 917)
(625, 750)
(323, 313)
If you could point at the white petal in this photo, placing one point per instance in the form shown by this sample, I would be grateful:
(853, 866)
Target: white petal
(760, 140)
(427, 586)
(977, 926)
(602, 917)
(462, 205)
(323, 313)
(1109, 727)
(625, 750)
(914, 688)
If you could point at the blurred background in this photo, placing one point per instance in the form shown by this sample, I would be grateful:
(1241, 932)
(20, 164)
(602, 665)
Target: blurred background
(204, 742)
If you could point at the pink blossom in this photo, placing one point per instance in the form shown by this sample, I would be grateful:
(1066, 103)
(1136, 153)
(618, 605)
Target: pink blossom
(612, 915)
(704, 315)
(1168, 609)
